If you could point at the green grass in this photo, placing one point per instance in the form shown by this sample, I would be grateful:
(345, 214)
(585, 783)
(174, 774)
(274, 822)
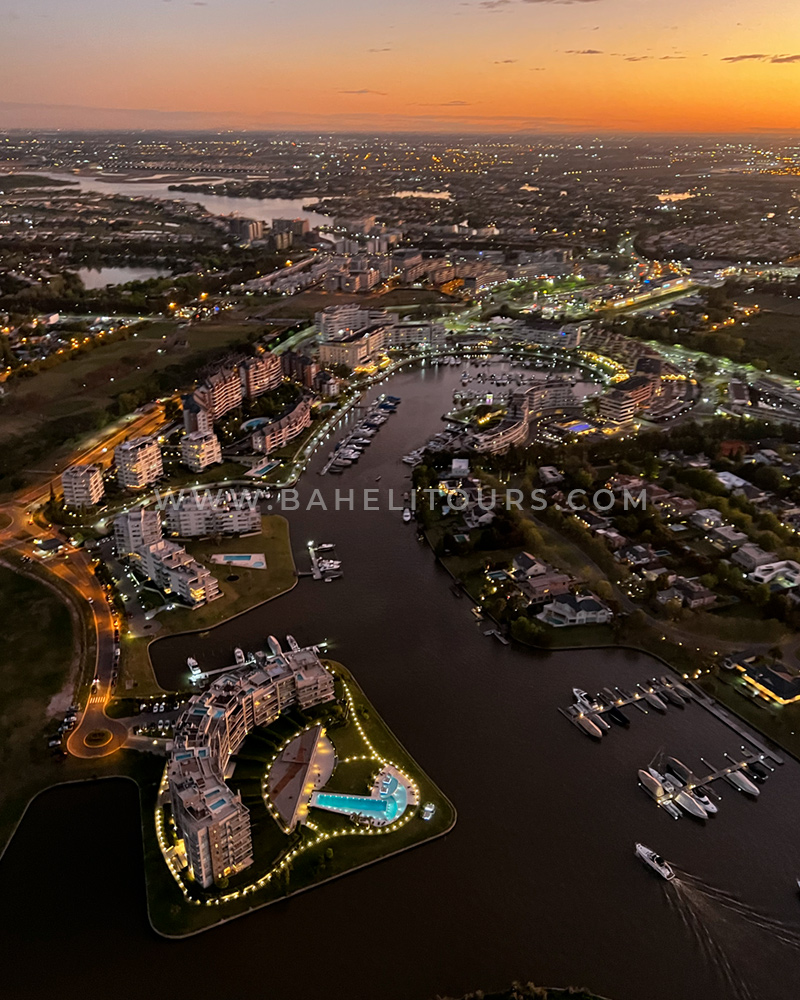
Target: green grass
(347, 850)
(772, 334)
(37, 658)
(92, 381)
(253, 587)
(12, 182)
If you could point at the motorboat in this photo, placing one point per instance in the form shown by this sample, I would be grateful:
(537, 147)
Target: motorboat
(758, 769)
(590, 708)
(652, 699)
(589, 727)
(680, 775)
(656, 791)
(680, 796)
(742, 783)
(673, 697)
(618, 717)
(705, 800)
(654, 861)
(677, 687)
(407, 515)
(680, 770)
(293, 644)
(759, 777)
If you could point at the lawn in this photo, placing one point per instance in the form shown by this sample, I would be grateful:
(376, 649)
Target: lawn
(92, 381)
(252, 587)
(331, 848)
(771, 335)
(38, 656)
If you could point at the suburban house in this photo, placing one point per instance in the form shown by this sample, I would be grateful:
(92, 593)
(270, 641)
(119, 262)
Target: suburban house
(575, 609)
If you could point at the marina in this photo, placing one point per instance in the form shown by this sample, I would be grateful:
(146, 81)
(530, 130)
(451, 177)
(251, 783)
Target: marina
(351, 447)
(482, 719)
(324, 564)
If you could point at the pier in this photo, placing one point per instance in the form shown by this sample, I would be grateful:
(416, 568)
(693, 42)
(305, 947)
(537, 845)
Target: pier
(324, 564)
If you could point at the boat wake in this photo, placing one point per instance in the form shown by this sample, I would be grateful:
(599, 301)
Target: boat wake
(787, 934)
(722, 925)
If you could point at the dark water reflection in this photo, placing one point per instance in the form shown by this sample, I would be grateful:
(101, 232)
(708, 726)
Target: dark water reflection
(538, 879)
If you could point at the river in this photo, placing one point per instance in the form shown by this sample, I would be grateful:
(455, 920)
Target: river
(265, 209)
(536, 882)
(99, 277)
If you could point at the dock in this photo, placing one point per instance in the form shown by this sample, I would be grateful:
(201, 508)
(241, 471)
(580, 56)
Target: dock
(324, 564)
(619, 698)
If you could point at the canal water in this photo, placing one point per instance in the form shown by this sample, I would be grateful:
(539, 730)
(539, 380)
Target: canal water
(536, 882)
(265, 209)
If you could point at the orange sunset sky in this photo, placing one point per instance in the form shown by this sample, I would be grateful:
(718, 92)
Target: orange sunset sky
(457, 65)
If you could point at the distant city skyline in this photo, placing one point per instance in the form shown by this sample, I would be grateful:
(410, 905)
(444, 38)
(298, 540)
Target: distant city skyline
(454, 65)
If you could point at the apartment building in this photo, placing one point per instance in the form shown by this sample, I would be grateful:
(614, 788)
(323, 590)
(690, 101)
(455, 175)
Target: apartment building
(174, 571)
(356, 348)
(196, 418)
(138, 463)
(260, 374)
(136, 529)
(277, 433)
(220, 393)
(338, 321)
(199, 517)
(200, 450)
(82, 485)
(211, 819)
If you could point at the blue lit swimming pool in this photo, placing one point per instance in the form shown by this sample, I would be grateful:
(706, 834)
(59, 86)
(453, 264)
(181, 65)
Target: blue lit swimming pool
(386, 807)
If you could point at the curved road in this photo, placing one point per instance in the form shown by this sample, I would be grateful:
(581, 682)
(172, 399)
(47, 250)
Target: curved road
(74, 568)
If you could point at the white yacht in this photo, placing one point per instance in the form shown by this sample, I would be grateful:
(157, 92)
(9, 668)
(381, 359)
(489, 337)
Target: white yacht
(654, 861)
(589, 708)
(684, 799)
(742, 783)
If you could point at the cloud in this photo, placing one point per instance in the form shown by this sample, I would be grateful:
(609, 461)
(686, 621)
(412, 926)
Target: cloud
(364, 90)
(387, 49)
(752, 55)
(501, 4)
(584, 52)
(763, 57)
(504, 62)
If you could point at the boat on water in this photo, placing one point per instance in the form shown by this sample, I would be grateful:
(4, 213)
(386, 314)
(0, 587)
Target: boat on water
(654, 861)
(673, 697)
(652, 699)
(618, 717)
(589, 727)
(590, 708)
(407, 515)
(680, 796)
(656, 791)
(293, 644)
(742, 784)
(326, 547)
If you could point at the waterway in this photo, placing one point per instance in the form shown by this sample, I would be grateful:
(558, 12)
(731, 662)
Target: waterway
(265, 209)
(99, 277)
(536, 882)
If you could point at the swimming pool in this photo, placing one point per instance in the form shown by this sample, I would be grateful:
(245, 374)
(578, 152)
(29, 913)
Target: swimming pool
(249, 560)
(261, 470)
(385, 807)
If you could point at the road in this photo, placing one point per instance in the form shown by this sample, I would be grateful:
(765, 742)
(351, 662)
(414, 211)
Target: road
(99, 451)
(95, 735)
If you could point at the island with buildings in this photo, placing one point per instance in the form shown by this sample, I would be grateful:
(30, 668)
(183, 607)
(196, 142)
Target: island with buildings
(279, 775)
